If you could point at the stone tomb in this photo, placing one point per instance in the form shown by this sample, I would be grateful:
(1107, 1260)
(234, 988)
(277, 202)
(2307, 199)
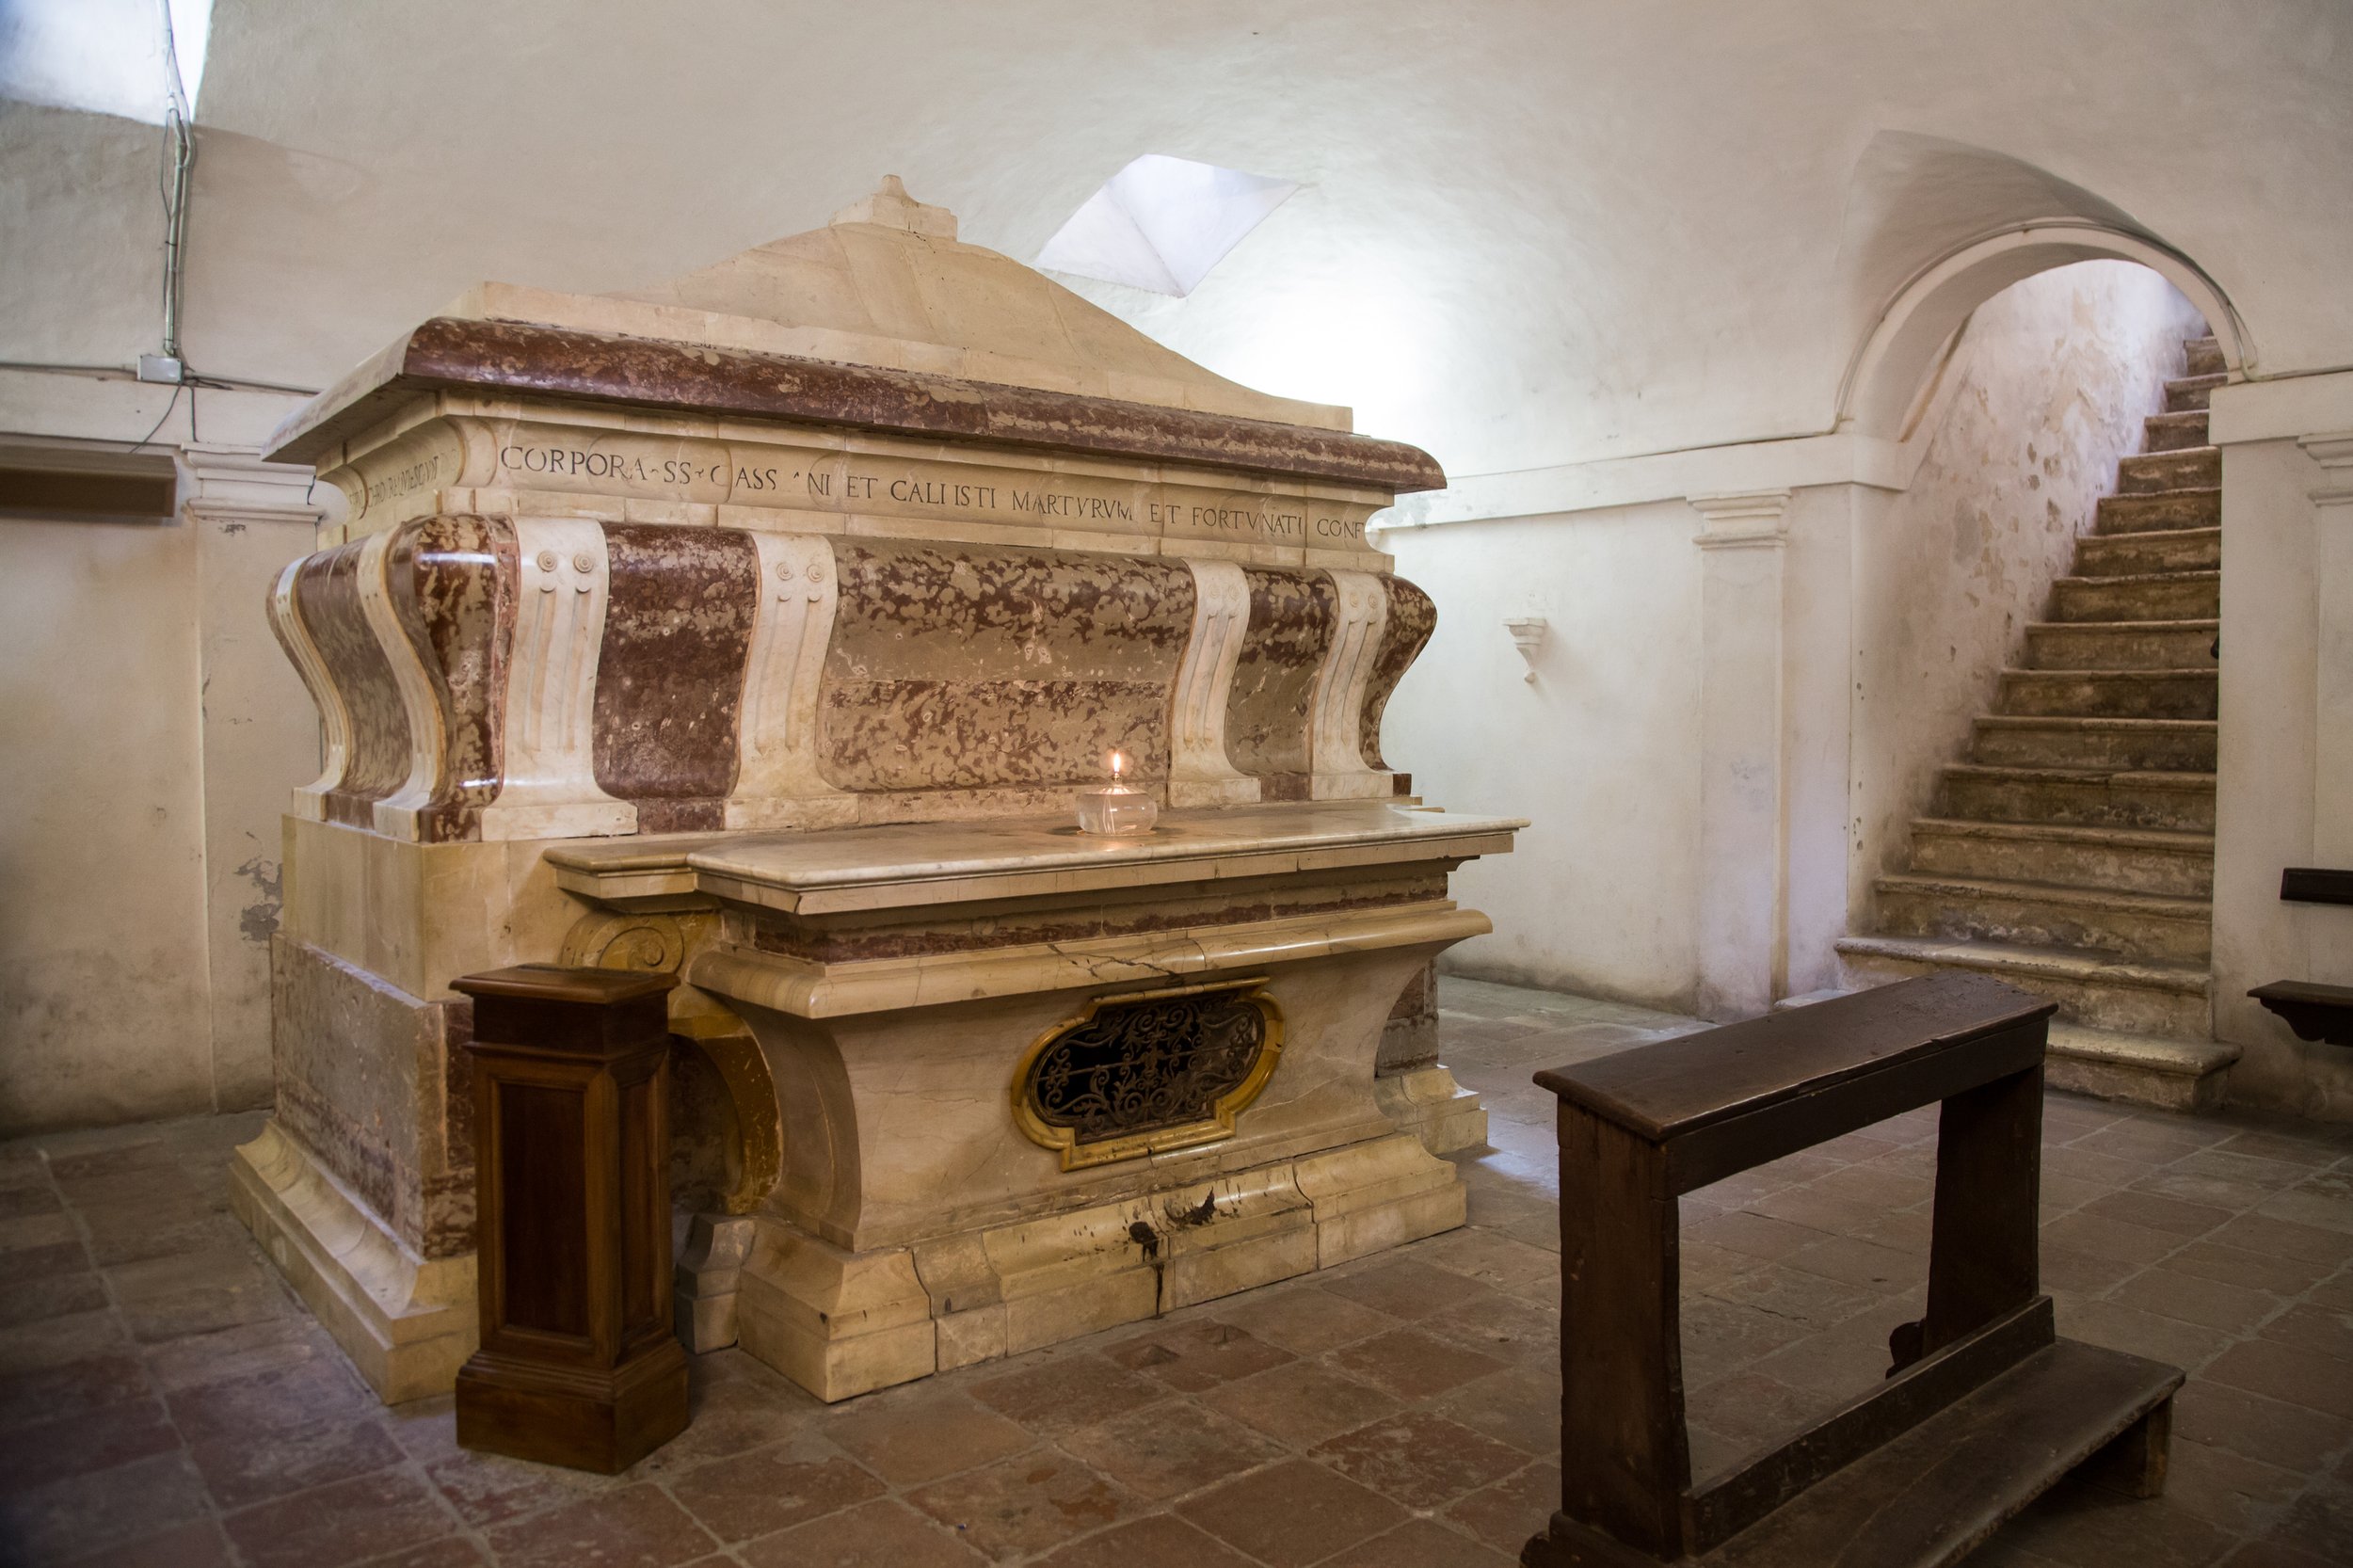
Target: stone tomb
(758, 627)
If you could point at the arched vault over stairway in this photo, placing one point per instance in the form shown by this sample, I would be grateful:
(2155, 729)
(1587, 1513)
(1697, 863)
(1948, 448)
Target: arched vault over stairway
(1933, 229)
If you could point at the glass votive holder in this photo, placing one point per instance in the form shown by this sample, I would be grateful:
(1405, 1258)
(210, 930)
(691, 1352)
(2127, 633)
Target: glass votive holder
(1117, 811)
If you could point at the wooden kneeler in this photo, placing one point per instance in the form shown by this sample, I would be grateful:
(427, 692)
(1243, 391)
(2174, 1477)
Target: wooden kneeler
(579, 1364)
(1984, 1407)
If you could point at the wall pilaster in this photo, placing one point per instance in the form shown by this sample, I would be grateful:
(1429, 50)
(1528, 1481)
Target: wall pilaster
(259, 730)
(1744, 892)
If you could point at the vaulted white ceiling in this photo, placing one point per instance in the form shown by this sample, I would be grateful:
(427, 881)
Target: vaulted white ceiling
(1529, 232)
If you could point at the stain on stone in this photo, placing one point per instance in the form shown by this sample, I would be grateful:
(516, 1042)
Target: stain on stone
(1269, 709)
(327, 601)
(256, 922)
(678, 631)
(452, 583)
(967, 667)
(1411, 620)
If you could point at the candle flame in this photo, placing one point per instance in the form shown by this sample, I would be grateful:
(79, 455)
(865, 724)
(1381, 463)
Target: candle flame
(1119, 765)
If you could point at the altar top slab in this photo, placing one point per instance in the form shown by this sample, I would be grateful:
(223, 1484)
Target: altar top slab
(921, 864)
(882, 320)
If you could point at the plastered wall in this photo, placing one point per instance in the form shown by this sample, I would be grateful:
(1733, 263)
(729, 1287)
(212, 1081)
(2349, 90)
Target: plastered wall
(104, 995)
(1897, 610)
(151, 727)
(1598, 752)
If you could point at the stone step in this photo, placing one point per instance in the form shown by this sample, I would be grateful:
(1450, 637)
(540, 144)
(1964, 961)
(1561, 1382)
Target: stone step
(2178, 865)
(2196, 468)
(2082, 797)
(2187, 393)
(2166, 511)
(2121, 645)
(2126, 694)
(2139, 554)
(2160, 926)
(2174, 432)
(2144, 596)
(2139, 1069)
(2167, 1001)
(2048, 741)
(2203, 356)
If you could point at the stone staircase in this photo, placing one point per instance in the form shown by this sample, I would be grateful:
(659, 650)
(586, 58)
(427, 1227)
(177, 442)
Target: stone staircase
(2072, 852)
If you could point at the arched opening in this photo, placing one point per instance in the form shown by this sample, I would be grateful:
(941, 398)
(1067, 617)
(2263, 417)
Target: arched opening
(2035, 710)
(1881, 392)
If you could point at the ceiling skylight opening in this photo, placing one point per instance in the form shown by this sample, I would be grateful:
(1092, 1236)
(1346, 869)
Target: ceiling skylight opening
(108, 57)
(1161, 223)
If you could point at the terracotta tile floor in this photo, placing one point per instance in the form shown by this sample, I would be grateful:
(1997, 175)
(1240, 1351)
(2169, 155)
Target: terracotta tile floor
(165, 1401)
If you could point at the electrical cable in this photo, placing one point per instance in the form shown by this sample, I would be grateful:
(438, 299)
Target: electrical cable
(159, 420)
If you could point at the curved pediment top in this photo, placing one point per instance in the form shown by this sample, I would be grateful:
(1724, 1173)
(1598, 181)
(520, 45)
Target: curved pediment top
(887, 284)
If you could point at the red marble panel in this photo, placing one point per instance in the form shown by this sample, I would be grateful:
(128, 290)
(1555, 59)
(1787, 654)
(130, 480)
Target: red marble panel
(963, 667)
(677, 630)
(1269, 708)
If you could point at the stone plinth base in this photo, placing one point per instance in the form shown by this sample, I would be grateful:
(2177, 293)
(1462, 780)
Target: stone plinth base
(840, 1323)
(708, 1270)
(407, 1322)
(1428, 1103)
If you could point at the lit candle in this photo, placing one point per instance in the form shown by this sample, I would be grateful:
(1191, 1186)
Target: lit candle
(1117, 809)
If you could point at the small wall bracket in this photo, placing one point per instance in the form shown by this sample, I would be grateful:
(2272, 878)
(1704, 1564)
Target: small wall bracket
(1528, 635)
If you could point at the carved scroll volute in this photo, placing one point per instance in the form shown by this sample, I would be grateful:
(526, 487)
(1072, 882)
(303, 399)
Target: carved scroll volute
(551, 790)
(777, 782)
(1200, 773)
(450, 582)
(659, 944)
(285, 619)
(324, 618)
(1412, 618)
(1336, 741)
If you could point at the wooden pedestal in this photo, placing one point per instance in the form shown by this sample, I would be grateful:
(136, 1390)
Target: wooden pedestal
(1983, 1408)
(579, 1364)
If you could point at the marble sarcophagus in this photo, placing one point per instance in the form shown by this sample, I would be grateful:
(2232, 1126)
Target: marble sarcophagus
(758, 627)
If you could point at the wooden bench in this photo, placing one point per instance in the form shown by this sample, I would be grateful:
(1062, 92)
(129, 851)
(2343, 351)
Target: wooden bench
(1984, 1407)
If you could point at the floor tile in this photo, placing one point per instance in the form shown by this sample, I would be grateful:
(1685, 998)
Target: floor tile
(924, 1435)
(1066, 1392)
(1520, 1505)
(1305, 1402)
(1197, 1355)
(1420, 1459)
(1291, 1513)
(1166, 1450)
(101, 1508)
(637, 1526)
(884, 1533)
(1305, 1320)
(1024, 1505)
(1412, 1365)
(1421, 1544)
(348, 1522)
(769, 1490)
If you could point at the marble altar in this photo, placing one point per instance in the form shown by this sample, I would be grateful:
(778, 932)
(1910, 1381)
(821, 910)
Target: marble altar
(758, 628)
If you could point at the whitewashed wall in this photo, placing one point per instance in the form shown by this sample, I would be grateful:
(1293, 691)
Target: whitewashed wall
(1897, 609)
(1597, 752)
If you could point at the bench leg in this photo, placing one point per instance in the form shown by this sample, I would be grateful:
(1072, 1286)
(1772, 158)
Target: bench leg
(2133, 1461)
